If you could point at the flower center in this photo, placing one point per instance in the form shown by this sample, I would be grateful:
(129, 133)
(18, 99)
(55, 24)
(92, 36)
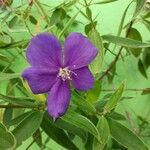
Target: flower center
(64, 73)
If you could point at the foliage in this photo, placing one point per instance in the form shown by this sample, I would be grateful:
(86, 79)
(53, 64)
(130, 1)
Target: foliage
(98, 119)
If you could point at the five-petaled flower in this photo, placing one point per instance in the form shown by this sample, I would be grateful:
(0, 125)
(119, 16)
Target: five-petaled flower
(54, 68)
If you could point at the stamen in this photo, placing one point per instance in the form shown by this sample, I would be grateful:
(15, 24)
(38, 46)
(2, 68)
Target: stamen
(65, 73)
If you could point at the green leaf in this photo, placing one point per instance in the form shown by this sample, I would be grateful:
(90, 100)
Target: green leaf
(57, 16)
(20, 44)
(90, 26)
(7, 140)
(81, 122)
(61, 123)
(57, 134)
(8, 76)
(4, 40)
(95, 38)
(13, 22)
(139, 6)
(23, 101)
(104, 132)
(135, 35)
(37, 136)
(147, 24)
(32, 20)
(146, 58)
(142, 68)
(126, 42)
(27, 126)
(7, 116)
(146, 91)
(8, 113)
(93, 94)
(42, 11)
(111, 104)
(68, 24)
(82, 103)
(89, 13)
(100, 105)
(123, 19)
(105, 1)
(117, 116)
(125, 137)
(4, 58)
(19, 118)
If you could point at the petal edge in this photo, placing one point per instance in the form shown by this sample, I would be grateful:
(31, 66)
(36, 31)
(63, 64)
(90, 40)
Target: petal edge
(58, 99)
(39, 80)
(82, 79)
(78, 51)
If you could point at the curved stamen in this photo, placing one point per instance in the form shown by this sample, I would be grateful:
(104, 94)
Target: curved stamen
(65, 73)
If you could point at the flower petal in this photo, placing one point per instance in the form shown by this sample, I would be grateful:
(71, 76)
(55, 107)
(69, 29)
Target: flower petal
(44, 50)
(59, 98)
(78, 51)
(40, 80)
(82, 79)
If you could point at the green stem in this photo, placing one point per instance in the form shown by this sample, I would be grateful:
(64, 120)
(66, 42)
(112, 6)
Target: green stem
(132, 90)
(42, 12)
(16, 106)
(117, 56)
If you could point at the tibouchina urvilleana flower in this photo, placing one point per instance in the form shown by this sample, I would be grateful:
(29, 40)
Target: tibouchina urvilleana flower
(53, 68)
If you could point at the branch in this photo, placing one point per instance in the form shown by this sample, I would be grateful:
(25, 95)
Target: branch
(117, 56)
(132, 90)
(16, 106)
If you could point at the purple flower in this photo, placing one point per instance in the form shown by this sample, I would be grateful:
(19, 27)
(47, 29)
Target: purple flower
(54, 67)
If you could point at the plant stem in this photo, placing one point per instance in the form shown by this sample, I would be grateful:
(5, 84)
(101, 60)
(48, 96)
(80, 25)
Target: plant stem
(16, 106)
(34, 140)
(41, 10)
(117, 56)
(133, 90)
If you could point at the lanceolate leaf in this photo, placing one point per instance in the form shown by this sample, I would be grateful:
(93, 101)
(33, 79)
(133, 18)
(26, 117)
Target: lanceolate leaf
(105, 1)
(28, 126)
(7, 116)
(123, 19)
(57, 134)
(19, 118)
(93, 94)
(8, 76)
(125, 137)
(4, 58)
(33, 20)
(134, 34)
(67, 25)
(103, 129)
(139, 6)
(147, 24)
(126, 42)
(114, 99)
(12, 22)
(81, 122)
(5, 40)
(57, 16)
(23, 101)
(37, 136)
(146, 91)
(69, 127)
(146, 57)
(142, 69)
(96, 39)
(7, 140)
(83, 104)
